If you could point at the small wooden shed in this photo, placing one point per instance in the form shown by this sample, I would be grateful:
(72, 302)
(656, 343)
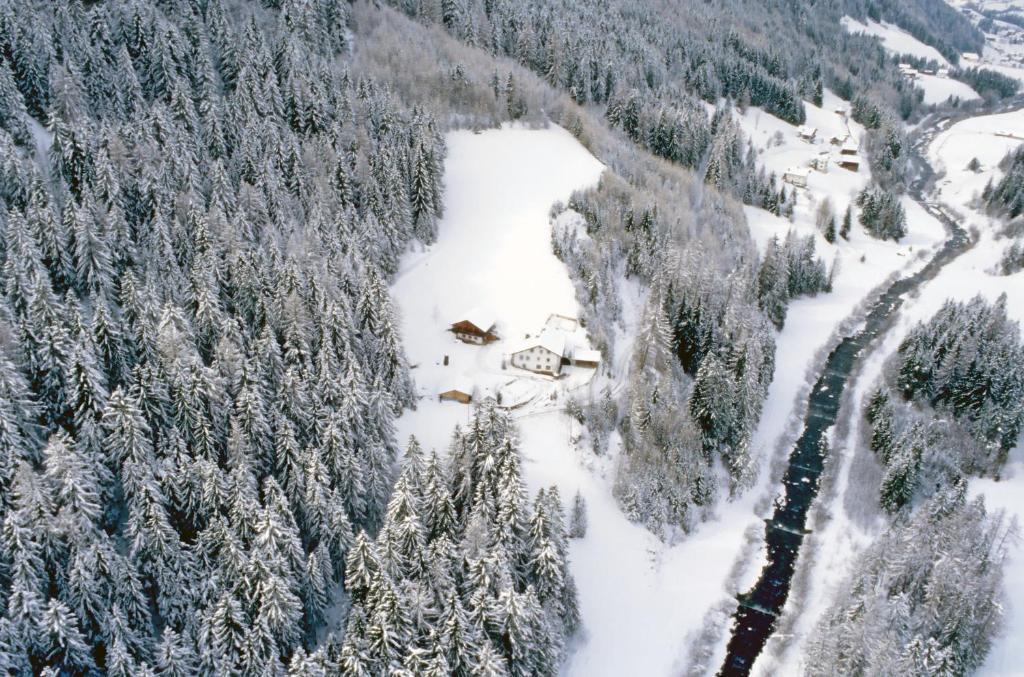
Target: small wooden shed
(456, 393)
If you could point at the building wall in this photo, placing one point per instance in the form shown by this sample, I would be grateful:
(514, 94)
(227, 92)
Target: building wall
(537, 359)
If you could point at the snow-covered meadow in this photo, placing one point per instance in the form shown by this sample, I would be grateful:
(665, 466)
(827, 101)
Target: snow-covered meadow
(896, 41)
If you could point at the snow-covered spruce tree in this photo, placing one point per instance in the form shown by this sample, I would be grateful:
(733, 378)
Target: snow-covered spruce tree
(199, 363)
(464, 577)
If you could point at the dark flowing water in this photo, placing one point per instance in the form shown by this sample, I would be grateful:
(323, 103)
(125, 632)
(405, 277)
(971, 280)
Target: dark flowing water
(754, 619)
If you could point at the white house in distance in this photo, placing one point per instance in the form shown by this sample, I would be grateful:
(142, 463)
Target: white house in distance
(850, 162)
(541, 354)
(807, 133)
(476, 326)
(797, 176)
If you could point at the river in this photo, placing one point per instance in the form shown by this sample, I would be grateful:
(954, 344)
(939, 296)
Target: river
(755, 617)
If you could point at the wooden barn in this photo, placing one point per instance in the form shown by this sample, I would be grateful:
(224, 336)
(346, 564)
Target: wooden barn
(475, 327)
(850, 147)
(456, 392)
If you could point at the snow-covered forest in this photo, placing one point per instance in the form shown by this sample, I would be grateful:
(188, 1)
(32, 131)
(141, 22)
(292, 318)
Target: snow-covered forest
(236, 433)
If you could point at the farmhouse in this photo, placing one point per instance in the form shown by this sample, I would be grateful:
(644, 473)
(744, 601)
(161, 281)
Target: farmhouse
(476, 327)
(807, 133)
(839, 139)
(851, 162)
(820, 163)
(797, 176)
(850, 147)
(908, 70)
(542, 354)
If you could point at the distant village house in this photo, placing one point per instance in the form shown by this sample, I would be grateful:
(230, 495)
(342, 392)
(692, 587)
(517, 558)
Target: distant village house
(851, 162)
(807, 133)
(475, 327)
(850, 147)
(797, 176)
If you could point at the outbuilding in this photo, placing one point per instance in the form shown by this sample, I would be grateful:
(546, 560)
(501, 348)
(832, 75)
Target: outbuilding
(851, 162)
(807, 133)
(456, 392)
(850, 147)
(590, 359)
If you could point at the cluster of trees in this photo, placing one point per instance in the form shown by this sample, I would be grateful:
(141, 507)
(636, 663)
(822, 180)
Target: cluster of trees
(464, 578)
(589, 49)
(199, 363)
(933, 22)
(988, 83)
(1007, 195)
(789, 270)
(1013, 259)
(712, 147)
(924, 599)
(966, 363)
(968, 360)
(882, 214)
(701, 363)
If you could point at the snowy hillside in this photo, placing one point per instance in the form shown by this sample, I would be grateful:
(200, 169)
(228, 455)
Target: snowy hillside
(894, 39)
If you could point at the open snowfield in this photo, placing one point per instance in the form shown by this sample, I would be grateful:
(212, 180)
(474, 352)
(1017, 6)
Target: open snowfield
(938, 89)
(894, 39)
(844, 535)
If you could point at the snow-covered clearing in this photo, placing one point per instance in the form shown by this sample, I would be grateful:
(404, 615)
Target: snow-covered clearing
(638, 597)
(894, 39)
(844, 536)
(938, 89)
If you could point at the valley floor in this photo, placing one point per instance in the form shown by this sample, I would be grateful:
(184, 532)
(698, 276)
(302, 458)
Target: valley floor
(643, 602)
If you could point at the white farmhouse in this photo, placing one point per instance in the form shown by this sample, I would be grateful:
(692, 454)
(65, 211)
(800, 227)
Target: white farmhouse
(542, 354)
(797, 176)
